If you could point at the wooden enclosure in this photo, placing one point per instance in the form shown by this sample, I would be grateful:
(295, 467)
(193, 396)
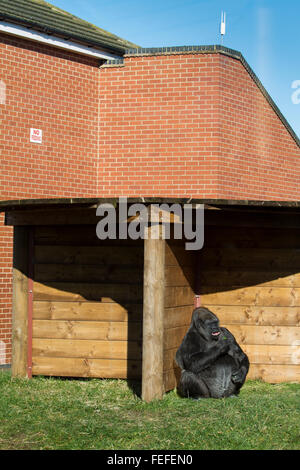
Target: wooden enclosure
(120, 308)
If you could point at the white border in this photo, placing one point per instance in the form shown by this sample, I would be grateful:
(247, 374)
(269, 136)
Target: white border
(24, 32)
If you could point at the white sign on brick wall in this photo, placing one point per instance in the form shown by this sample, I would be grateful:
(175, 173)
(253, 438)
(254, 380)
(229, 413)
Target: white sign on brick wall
(2, 92)
(2, 352)
(36, 135)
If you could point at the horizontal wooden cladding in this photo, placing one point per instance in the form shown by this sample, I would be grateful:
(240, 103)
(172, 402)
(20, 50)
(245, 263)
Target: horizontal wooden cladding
(265, 259)
(100, 292)
(254, 237)
(171, 378)
(88, 273)
(251, 315)
(179, 304)
(92, 330)
(271, 335)
(76, 235)
(274, 373)
(77, 367)
(273, 354)
(66, 235)
(177, 316)
(109, 254)
(85, 255)
(179, 277)
(87, 311)
(232, 278)
(254, 296)
(178, 296)
(109, 273)
(177, 255)
(86, 349)
(174, 336)
(169, 358)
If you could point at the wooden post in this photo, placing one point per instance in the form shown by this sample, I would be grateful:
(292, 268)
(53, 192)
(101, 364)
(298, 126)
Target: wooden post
(20, 302)
(153, 315)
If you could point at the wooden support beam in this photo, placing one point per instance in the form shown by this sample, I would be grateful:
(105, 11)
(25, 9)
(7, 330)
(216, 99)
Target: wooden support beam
(153, 315)
(20, 302)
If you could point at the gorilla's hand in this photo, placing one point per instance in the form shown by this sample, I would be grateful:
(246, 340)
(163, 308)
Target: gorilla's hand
(237, 376)
(224, 343)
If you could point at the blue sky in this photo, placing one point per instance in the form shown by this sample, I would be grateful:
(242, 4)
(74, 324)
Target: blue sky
(267, 32)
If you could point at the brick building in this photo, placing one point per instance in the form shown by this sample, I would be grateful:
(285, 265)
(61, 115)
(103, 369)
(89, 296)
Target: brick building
(118, 120)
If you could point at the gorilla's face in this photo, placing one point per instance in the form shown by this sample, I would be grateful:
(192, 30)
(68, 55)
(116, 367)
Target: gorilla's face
(207, 324)
(213, 329)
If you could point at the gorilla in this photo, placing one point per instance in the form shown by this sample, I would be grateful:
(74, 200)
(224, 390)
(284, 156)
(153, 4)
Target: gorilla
(211, 361)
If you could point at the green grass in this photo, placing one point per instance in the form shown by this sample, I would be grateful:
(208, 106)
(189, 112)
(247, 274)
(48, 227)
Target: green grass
(52, 413)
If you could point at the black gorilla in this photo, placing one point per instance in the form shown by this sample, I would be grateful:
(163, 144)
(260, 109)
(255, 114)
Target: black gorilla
(212, 363)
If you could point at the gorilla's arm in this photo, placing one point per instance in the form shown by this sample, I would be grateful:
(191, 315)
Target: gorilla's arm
(195, 355)
(202, 360)
(240, 358)
(239, 375)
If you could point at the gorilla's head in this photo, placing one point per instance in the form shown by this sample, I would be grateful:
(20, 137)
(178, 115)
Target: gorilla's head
(206, 323)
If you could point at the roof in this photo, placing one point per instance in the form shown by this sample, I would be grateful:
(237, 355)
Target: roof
(45, 17)
(28, 204)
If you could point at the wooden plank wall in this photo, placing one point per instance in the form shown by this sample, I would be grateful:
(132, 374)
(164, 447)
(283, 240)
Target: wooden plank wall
(88, 302)
(179, 304)
(250, 277)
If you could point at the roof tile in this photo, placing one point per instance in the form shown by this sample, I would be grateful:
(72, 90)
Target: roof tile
(44, 16)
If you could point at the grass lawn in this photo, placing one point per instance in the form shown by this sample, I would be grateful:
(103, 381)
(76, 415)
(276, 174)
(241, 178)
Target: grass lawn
(51, 413)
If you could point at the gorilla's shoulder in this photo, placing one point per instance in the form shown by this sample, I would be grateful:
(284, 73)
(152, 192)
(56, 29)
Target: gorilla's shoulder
(191, 335)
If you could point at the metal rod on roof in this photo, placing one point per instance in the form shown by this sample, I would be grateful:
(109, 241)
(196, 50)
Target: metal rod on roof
(223, 25)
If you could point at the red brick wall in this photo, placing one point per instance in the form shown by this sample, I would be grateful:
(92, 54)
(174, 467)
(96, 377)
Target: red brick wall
(192, 125)
(159, 127)
(58, 93)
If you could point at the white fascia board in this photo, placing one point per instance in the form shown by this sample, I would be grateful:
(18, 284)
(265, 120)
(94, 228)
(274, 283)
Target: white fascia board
(24, 32)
